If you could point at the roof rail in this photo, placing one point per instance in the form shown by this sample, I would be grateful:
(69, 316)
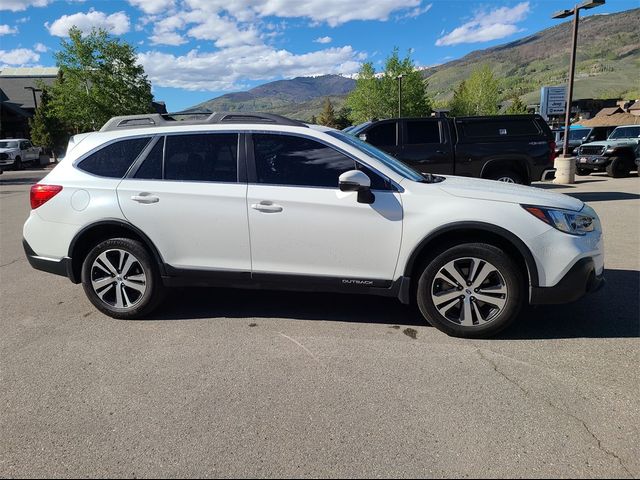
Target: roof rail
(165, 120)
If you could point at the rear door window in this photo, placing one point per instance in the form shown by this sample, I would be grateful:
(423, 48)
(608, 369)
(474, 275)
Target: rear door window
(422, 131)
(114, 160)
(211, 157)
(383, 134)
(151, 168)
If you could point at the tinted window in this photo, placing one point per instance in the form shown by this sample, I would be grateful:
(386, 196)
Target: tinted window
(151, 168)
(599, 134)
(208, 157)
(115, 159)
(390, 162)
(421, 131)
(382, 135)
(289, 160)
(499, 128)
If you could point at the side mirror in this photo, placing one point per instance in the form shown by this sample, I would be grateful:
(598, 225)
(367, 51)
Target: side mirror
(357, 181)
(363, 137)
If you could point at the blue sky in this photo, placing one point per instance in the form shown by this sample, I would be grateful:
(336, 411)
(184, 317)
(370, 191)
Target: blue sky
(193, 50)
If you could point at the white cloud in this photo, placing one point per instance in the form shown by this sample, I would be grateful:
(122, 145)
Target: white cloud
(225, 68)
(416, 12)
(487, 25)
(40, 47)
(19, 5)
(333, 12)
(116, 23)
(153, 6)
(19, 56)
(323, 40)
(7, 30)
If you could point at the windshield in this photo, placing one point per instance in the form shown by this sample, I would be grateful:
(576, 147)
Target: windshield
(579, 134)
(625, 132)
(6, 144)
(389, 161)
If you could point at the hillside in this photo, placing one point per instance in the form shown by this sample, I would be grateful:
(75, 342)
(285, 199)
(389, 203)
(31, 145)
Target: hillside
(300, 97)
(608, 66)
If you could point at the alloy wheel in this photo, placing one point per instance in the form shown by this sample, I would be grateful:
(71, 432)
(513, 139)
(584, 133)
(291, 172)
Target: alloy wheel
(506, 180)
(469, 292)
(118, 279)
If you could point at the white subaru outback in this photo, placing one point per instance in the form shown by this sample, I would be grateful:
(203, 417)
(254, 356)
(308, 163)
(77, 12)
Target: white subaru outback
(258, 200)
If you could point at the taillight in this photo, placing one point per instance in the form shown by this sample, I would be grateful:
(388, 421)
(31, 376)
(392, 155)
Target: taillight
(41, 194)
(552, 151)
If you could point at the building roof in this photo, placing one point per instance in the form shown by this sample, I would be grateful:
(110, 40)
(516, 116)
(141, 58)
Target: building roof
(14, 80)
(609, 111)
(635, 106)
(615, 120)
(29, 72)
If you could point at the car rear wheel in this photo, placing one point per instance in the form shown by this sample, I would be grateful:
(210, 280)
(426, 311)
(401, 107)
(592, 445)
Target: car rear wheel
(618, 167)
(472, 290)
(507, 176)
(121, 279)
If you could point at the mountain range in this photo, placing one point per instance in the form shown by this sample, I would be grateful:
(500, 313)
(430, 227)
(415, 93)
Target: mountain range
(608, 66)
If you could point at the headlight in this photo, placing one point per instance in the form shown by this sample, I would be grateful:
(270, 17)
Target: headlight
(567, 221)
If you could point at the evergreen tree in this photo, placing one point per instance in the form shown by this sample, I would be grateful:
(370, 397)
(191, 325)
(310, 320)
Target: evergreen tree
(328, 115)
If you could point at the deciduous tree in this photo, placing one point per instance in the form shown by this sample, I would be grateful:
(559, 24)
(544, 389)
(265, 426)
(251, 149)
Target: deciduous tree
(100, 78)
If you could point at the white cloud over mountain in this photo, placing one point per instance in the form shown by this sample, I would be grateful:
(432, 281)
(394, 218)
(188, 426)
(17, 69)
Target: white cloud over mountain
(487, 25)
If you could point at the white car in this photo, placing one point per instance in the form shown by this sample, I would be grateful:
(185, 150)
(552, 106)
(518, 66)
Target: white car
(258, 200)
(15, 152)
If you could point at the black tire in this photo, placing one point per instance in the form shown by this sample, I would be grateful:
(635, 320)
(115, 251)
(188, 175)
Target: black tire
(618, 167)
(503, 175)
(17, 164)
(507, 273)
(139, 304)
(583, 172)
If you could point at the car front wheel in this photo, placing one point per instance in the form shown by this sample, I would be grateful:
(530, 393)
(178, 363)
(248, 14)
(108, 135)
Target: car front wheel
(121, 279)
(619, 167)
(472, 290)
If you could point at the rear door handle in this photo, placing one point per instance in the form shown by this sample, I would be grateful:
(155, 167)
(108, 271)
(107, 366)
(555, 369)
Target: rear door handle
(145, 198)
(267, 207)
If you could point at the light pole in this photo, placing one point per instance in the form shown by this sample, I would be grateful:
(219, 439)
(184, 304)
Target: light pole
(399, 95)
(566, 165)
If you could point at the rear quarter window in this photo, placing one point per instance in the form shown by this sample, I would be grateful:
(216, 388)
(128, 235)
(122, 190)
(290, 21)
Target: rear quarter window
(114, 160)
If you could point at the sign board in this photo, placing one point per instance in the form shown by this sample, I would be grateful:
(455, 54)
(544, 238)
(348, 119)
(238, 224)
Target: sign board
(553, 101)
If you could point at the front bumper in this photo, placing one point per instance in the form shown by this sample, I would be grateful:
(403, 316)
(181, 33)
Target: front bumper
(578, 281)
(595, 163)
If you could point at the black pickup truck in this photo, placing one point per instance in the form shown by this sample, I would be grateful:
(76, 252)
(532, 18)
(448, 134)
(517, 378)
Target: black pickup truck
(509, 148)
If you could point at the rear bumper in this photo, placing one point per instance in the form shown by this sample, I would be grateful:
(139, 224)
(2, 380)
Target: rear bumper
(578, 281)
(60, 267)
(548, 174)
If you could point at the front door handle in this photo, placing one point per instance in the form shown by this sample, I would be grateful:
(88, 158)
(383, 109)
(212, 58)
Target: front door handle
(145, 197)
(267, 207)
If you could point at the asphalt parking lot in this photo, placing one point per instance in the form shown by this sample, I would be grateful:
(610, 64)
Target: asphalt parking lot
(223, 383)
